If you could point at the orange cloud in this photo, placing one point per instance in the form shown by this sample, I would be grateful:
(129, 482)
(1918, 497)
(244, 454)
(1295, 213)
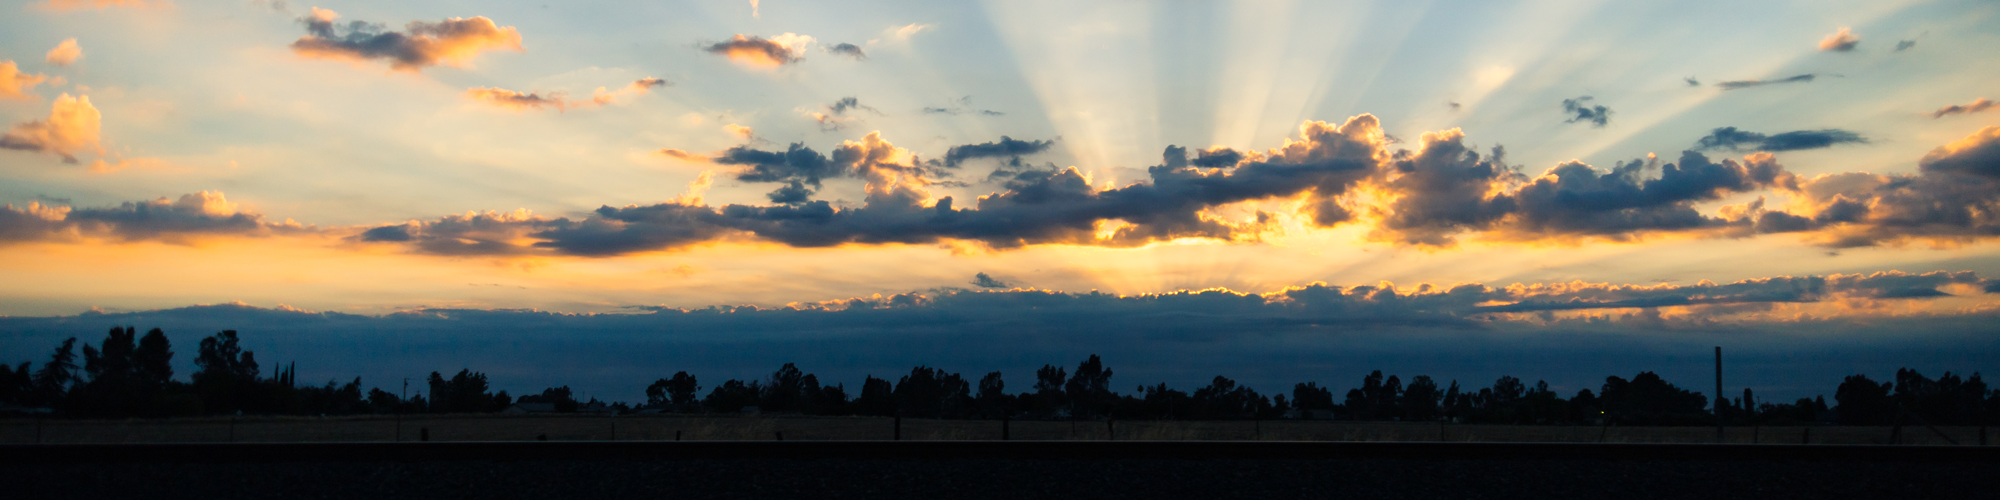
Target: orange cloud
(70, 5)
(740, 131)
(682, 155)
(14, 84)
(521, 101)
(454, 41)
(73, 126)
(766, 52)
(1840, 41)
(65, 53)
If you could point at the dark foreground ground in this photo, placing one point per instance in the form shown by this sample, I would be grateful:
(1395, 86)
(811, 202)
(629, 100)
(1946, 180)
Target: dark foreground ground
(1016, 470)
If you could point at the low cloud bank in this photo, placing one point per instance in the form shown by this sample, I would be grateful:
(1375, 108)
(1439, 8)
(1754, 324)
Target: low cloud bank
(1473, 333)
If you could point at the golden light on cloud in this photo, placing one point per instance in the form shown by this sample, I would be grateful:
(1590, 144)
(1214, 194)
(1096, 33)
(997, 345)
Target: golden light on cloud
(746, 133)
(763, 52)
(73, 126)
(70, 5)
(65, 53)
(454, 41)
(14, 84)
(1840, 41)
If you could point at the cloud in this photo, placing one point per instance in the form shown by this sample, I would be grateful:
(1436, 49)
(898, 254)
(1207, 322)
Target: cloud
(454, 41)
(73, 127)
(521, 101)
(1840, 41)
(1596, 115)
(1744, 84)
(1738, 140)
(1691, 81)
(836, 116)
(1446, 189)
(682, 155)
(1954, 197)
(759, 51)
(983, 281)
(1007, 147)
(163, 219)
(14, 84)
(961, 106)
(746, 133)
(1902, 45)
(903, 33)
(1458, 331)
(72, 5)
(64, 54)
(849, 50)
(1977, 105)
(517, 101)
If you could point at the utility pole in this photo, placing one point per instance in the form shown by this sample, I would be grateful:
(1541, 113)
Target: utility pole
(402, 403)
(1719, 399)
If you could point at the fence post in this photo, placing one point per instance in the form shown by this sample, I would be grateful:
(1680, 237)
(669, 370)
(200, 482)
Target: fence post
(1110, 430)
(614, 428)
(1982, 435)
(899, 427)
(781, 435)
(1756, 433)
(677, 435)
(39, 418)
(1006, 422)
(1259, 422)
(1808, 437)
(232, 429)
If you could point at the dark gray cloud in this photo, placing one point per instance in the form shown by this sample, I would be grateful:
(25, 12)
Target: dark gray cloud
(1744, 84)
(191, 215)
(1313, 332)
(1597, 115)
(849, 50)
(1449, 189)
(1004, 148)
(1954, 197)
(1740, 140)
(983, 281)
(421, 44)
(1977, 105)
(1902, 45)
(845, 104)
(1692, 82)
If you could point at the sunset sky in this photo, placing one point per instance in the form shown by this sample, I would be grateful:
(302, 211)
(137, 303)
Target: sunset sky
(601, 193)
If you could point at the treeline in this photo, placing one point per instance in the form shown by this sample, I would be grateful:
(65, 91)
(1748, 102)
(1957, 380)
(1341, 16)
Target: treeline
(128, 375)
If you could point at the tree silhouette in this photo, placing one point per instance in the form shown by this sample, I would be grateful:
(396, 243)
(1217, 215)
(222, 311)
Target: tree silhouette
(878, 397)
(1420, 399)
(53, 381)
(1089, 388)
(679, 390)
(465, 392)
(733, 395)
(992, 400)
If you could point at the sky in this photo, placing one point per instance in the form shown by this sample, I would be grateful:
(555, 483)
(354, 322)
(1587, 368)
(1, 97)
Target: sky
(602, 193)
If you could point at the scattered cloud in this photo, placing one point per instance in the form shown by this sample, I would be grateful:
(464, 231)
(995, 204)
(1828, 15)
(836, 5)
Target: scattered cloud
(1738, 140)
(962, 105)
(163, 219)
(766, 52)
(454, 41)
(903, 33)
(65, 53)
(1596, 115)
(746, 133)
(522, 101)
(1977, 105)
(849, 50)
(1744, 84)
(1006, 147)
(836, 115)
(73, 5)
(14, 84)
(1953, 198)
(73, 126)
(682, 155)
(1840, 41)
(983, 281)
(1691, 81)
(1902, 45)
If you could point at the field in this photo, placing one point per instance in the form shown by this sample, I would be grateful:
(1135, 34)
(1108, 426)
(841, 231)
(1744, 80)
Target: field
(757, 428)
